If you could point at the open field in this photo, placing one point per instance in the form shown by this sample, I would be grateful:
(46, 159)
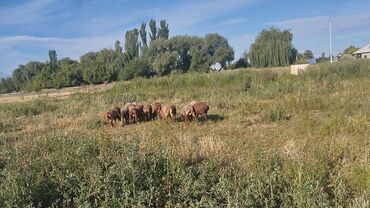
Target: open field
(273, 140)
(51, 93)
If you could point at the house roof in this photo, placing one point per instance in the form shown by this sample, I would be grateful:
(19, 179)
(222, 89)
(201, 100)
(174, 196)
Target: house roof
(365, 49)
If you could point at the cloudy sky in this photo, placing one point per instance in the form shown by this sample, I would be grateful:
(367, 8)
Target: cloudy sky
(28, 29)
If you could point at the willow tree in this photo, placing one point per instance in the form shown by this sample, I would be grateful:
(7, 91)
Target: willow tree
(272, 48)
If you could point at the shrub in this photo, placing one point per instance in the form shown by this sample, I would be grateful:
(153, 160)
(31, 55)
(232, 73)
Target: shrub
(135, 68)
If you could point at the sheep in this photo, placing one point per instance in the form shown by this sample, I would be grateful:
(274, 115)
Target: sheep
(113, 115)
(125, 116)
(156, 109)
(187, 113)
(168, 111)
(148, 112)
(201, 109)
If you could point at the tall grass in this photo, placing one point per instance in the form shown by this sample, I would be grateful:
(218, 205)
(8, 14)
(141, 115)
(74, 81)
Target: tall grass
(285, 141)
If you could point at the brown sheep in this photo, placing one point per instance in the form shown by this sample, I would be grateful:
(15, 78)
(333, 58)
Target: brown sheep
(113, 115)
(201, 109)
(135, 115)
(148, 112)
(125, 116)
(187, 113)
(157, 107)
(168, 111)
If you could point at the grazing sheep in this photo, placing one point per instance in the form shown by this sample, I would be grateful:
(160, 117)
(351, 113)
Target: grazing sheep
(125, 116)
(113, 115)
(187, 113)
(201, 109)
(148, 112)
(156, 107)
(168, 111)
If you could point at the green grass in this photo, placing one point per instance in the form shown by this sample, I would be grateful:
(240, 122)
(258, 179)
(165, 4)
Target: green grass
(285, 141)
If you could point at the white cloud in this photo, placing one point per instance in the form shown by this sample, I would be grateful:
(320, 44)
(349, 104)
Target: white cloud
(187, 15)
(234, 21)
(312, 32)
(29, 12)
(15, 50)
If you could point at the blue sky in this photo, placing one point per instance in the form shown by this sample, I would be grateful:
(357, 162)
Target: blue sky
(28, 29)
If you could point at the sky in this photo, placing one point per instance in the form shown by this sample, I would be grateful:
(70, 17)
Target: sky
(29, 29)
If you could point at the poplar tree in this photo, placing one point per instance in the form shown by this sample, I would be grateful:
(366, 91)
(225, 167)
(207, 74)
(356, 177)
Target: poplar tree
(153, 30)
(164, 30)
(143, 35)
(131, 43)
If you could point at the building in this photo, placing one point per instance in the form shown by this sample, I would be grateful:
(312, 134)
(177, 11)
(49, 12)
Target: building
(363, 52)
(297, 68)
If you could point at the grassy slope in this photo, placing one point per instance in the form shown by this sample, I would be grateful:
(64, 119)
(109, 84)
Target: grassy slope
(286, 141)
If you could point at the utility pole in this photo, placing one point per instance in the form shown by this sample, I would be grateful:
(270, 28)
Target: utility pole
(330, 47)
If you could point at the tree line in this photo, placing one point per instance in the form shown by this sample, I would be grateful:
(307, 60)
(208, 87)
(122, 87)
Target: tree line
(159, 55)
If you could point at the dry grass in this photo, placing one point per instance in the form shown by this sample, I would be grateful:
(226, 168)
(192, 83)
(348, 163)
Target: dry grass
(290, 135)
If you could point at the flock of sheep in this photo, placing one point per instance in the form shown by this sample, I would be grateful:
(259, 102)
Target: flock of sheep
(136, 112)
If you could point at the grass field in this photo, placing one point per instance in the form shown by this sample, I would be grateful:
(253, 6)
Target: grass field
(272, 140)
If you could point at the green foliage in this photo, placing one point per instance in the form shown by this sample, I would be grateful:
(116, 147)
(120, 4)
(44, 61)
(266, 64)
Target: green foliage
(350, 50)
(240, 63)
(132, 43)
(165, 63)
(153, 30)
(164, 31)
(117, 47)
(272, 48)
(143, 36)
(7, 85)
(218, 48)
(24, 74)
(99, 67)
(53, 60)
(43, 80)
(307, 54)
(68, 75)
(135, 68)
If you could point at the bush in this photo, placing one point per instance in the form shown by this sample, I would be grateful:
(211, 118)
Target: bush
(135, 68)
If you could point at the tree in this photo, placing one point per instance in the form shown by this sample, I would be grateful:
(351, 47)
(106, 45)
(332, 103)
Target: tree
(272, 48)
(53, 59)
(24, 74)
(7, 85)
(153, 30)
(143, 35)
(322, 58)
(350, 50)
(98, 67)
(131, 43)
(118, 47)
(219, 49)
(183, 45)
(135, 68)
(200, 58)
(43, 79)
(307, 54)
(165, 63)
(68, 75)
(164, 30)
